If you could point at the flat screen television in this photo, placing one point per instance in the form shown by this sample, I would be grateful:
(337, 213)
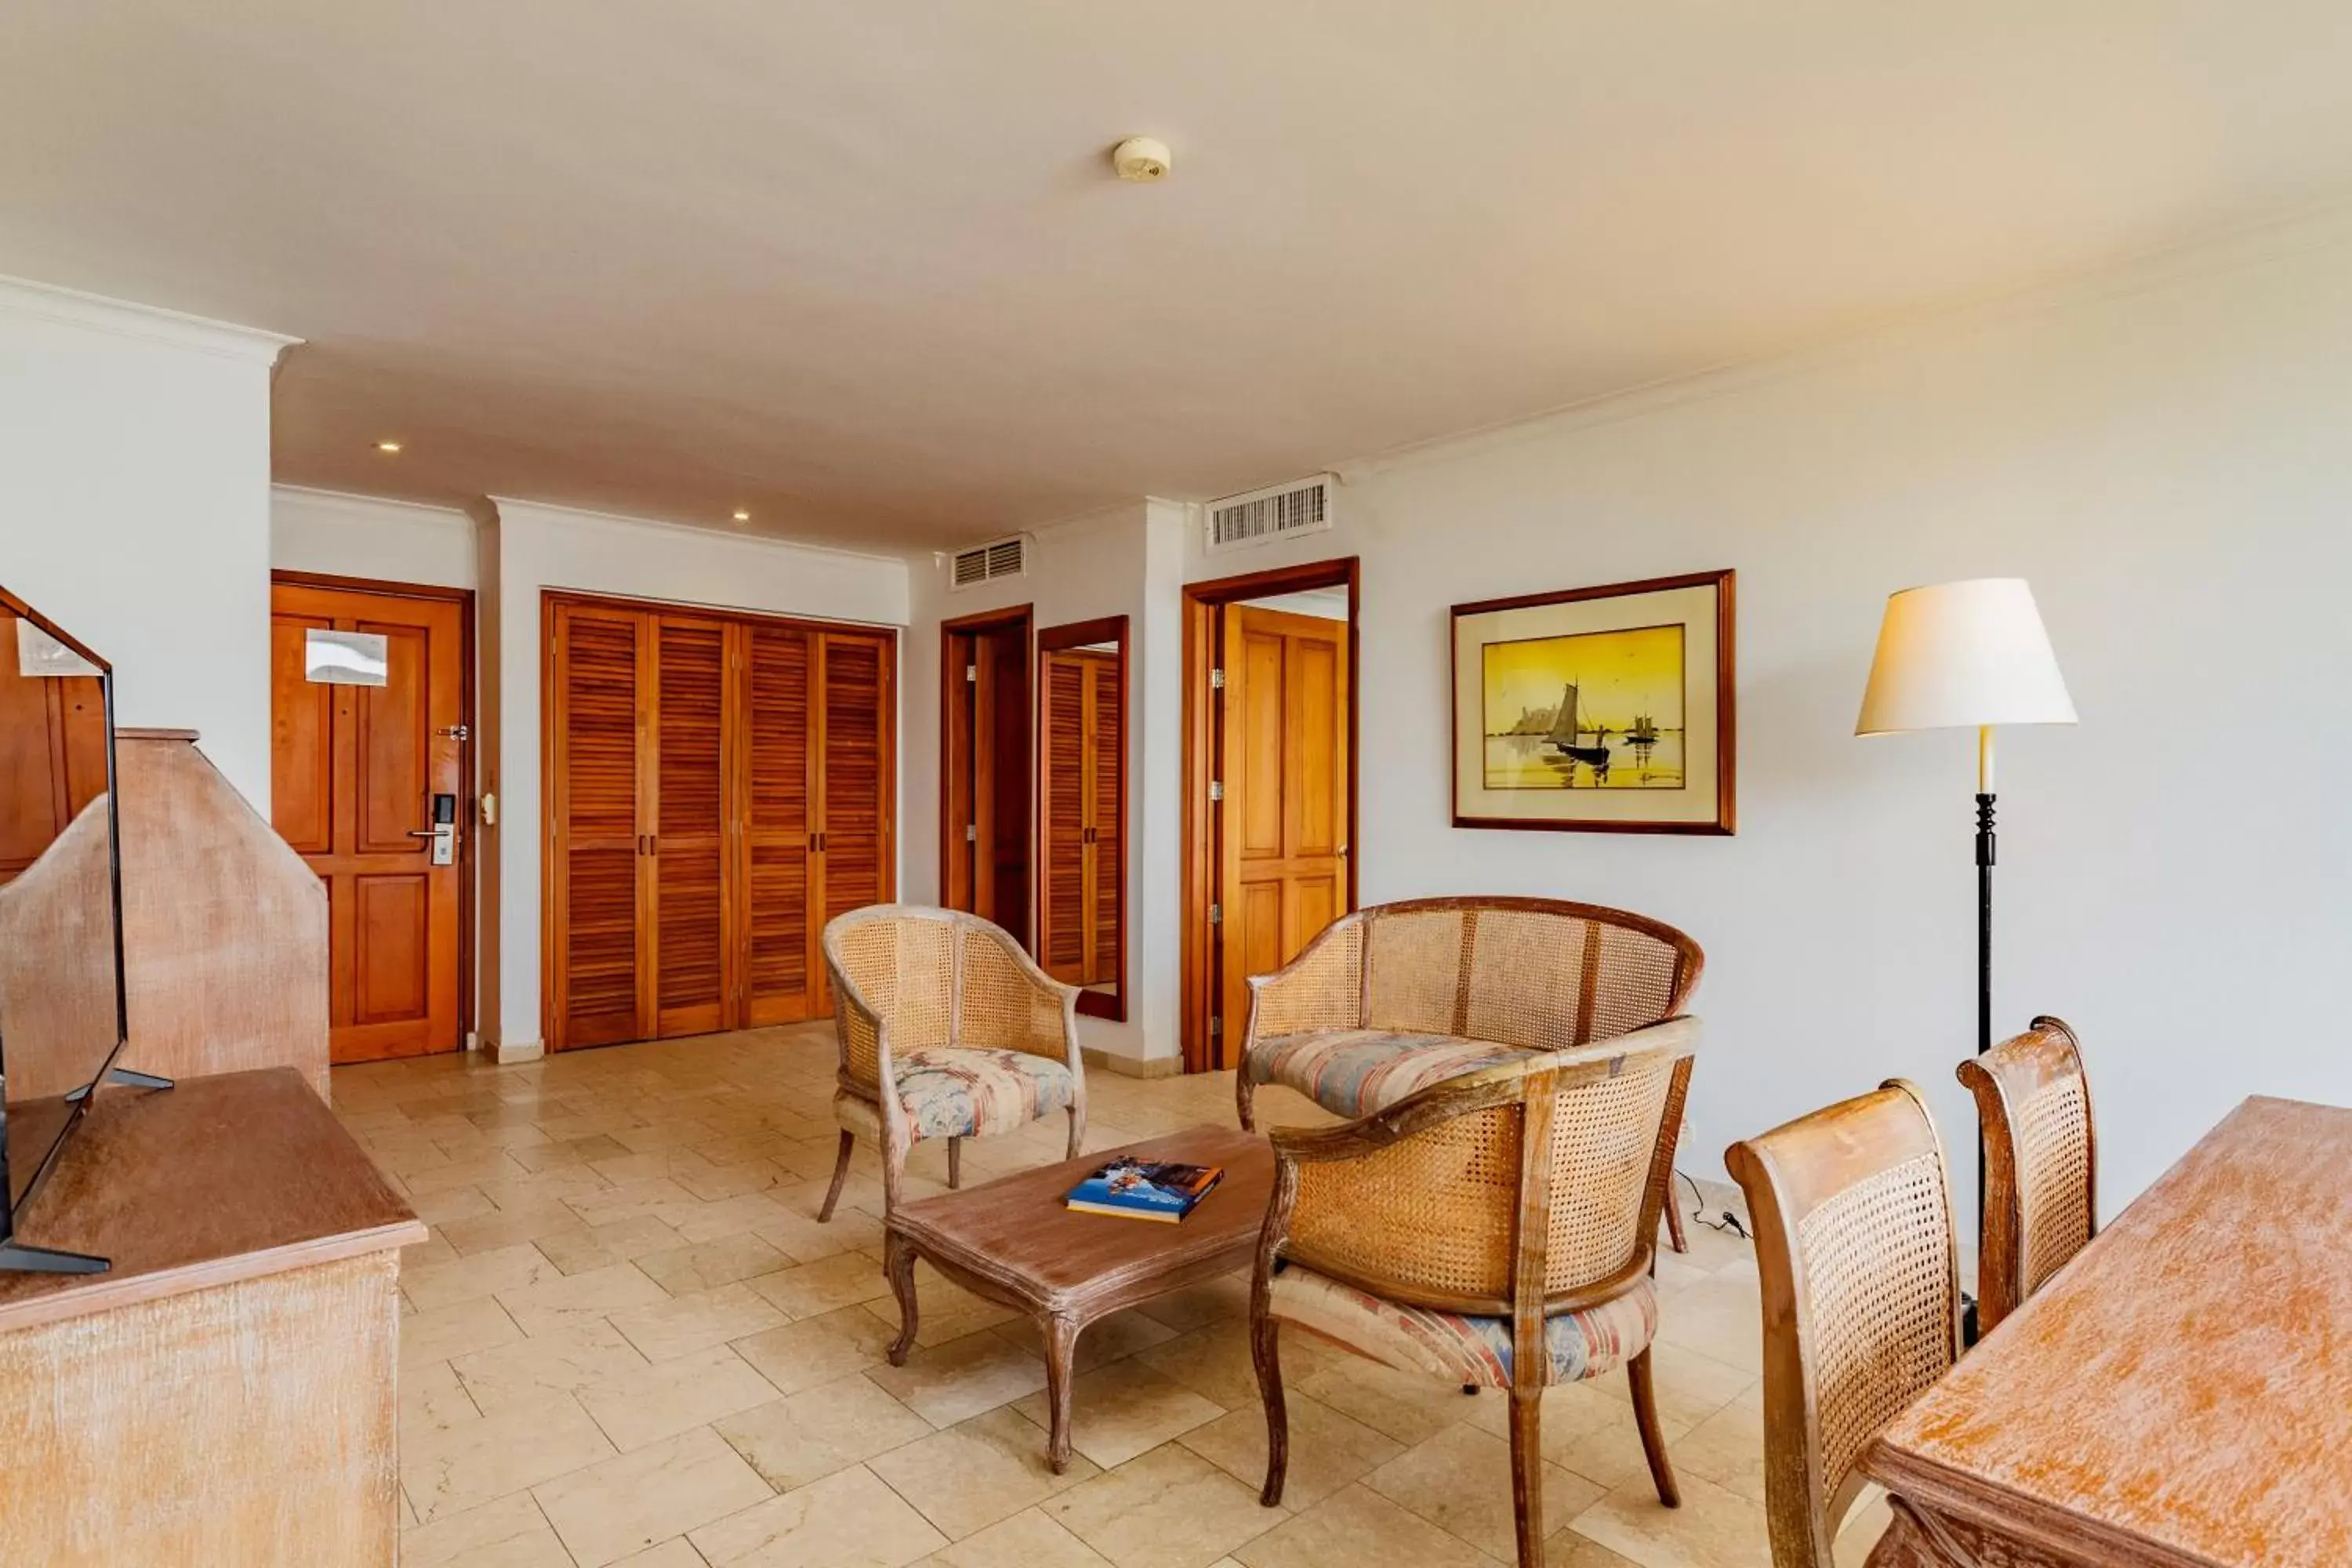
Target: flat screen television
(63, 1012)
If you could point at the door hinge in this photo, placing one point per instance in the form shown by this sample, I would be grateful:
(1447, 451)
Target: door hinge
(1216, 914)
(453, 732)
(972, 672)
(1216, 1026)
(1216, 789)
(1216, 681)
(971, 832)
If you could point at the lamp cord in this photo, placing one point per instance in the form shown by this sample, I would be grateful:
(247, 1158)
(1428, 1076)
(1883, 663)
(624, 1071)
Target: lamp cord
(1729, 1223)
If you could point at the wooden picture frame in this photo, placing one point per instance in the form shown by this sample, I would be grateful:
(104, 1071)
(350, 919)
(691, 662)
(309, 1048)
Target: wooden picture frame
(1665, 765)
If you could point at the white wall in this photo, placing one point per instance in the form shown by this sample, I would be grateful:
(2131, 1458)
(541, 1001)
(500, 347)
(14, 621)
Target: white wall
(1123, 561)
(540, 547)
(360, 536)
(2165, 454)
(134, 506)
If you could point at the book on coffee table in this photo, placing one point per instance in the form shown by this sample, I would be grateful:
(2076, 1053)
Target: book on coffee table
(1160, 1190)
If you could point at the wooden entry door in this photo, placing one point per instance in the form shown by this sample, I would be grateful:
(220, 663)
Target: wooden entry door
(354, 770)
(1284, 826)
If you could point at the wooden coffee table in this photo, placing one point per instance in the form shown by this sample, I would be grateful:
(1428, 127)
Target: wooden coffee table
(1013, 1241)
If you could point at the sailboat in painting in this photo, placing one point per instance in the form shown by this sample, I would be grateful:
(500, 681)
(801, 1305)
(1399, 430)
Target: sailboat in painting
(1565, 728)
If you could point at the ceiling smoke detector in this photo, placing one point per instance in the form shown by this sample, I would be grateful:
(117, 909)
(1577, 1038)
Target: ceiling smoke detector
(1141, 159)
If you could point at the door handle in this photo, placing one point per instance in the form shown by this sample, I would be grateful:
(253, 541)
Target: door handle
(444, 831)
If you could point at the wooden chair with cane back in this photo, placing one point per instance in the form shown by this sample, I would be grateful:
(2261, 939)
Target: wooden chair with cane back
(1860, 1265)
(2033, 1102)
(947, 1030)
(1393, 998)
(1494, 1230)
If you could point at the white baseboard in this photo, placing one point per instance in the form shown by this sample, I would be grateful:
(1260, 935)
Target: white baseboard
(506, 1053)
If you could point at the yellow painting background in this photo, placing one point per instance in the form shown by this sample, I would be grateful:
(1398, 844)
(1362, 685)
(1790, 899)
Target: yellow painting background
(1620, 674)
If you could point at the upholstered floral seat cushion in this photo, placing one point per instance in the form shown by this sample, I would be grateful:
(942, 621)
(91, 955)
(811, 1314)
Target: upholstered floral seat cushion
(1354, 1072)
(966, 1091)
(1462, 1349)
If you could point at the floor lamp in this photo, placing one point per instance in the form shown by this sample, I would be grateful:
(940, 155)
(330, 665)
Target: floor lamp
(1967, 656)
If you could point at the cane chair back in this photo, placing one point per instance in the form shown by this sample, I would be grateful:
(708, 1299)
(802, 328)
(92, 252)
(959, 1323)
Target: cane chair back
(2033, 1103)
(1859, 1259)
(1539, 973)
(1527, 1180)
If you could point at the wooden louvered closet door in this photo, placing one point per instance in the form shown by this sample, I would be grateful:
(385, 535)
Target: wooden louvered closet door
(856, 776)
(1078, 938)
(718, 786)
(773, 873)
(601, 890)
(688, 832)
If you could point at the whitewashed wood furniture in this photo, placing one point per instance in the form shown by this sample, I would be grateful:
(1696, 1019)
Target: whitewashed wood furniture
(2179, 1396)
(1496, 1230)
(947, 1030)
(1860, 1266)
(2041, 1163)
(224, 1393)
(1395, 997)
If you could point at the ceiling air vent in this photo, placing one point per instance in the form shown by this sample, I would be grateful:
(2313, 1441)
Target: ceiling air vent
(1260, 517)
(986, 562)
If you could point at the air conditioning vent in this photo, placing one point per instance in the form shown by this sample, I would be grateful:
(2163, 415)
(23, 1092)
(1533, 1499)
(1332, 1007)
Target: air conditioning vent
(1260, 517)
(986, 562)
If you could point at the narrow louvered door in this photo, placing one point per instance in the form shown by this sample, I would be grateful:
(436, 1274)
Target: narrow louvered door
(601, 887)
(1105, 740)
(856, 776)
(1063, 913)
(773, 858)
(691, 932)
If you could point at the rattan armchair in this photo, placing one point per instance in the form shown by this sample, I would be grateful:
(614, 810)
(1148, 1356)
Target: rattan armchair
(1395, 997)
(2041, 1207)
(1494, 1230)
(947, 1030)
(1855, 1241)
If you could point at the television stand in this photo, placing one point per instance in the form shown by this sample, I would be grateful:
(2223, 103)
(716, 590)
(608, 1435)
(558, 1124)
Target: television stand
(119, 1077)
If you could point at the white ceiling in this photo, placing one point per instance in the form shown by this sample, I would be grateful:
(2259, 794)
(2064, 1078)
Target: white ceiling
(861, 267)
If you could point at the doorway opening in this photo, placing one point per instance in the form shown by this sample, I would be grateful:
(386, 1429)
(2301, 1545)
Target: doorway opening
(985, 697)
(372, 770)
(1270, 767)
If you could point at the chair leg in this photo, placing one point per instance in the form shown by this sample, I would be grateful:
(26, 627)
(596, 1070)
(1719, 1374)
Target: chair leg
(1675, 1223)
(1653, 1441)
(1526, 1474)
(1266, 1351)
(1078, 1130)
(1244, 1092)
(840, 1176)
(955, 1163)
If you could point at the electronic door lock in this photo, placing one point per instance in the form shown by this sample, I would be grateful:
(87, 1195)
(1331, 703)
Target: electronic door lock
(444, 831)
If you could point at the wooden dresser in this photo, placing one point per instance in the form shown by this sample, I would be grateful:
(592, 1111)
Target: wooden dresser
(223, 1394)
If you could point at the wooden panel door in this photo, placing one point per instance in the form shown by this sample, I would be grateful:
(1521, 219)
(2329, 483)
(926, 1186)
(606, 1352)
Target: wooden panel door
(600, 880)
(354, 774)
(772, 865)
(1284, 826)
(686, 814)
(855, 774)
(52, 753)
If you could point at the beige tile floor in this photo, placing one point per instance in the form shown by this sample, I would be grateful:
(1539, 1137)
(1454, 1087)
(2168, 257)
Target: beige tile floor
(628, 1341)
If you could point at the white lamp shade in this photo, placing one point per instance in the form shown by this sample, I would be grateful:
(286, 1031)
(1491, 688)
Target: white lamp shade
(1963, 656)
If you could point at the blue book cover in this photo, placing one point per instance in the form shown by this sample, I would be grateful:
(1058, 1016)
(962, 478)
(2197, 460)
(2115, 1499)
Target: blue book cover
(1145, 1189)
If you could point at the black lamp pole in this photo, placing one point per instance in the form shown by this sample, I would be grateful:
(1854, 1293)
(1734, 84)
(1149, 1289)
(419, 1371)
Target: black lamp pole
(1984, 976)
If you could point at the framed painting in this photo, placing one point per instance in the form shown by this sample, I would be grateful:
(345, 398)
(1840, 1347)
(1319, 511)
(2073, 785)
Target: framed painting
(1604, 709)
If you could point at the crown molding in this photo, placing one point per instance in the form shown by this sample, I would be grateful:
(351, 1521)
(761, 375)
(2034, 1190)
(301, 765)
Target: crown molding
(352, 504)
(45, 301)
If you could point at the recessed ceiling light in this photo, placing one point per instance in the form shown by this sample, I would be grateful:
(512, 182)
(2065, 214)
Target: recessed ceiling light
(387, 445)
(742, 516)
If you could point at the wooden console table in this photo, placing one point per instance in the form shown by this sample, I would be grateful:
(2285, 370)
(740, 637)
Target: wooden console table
(224, 1393)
